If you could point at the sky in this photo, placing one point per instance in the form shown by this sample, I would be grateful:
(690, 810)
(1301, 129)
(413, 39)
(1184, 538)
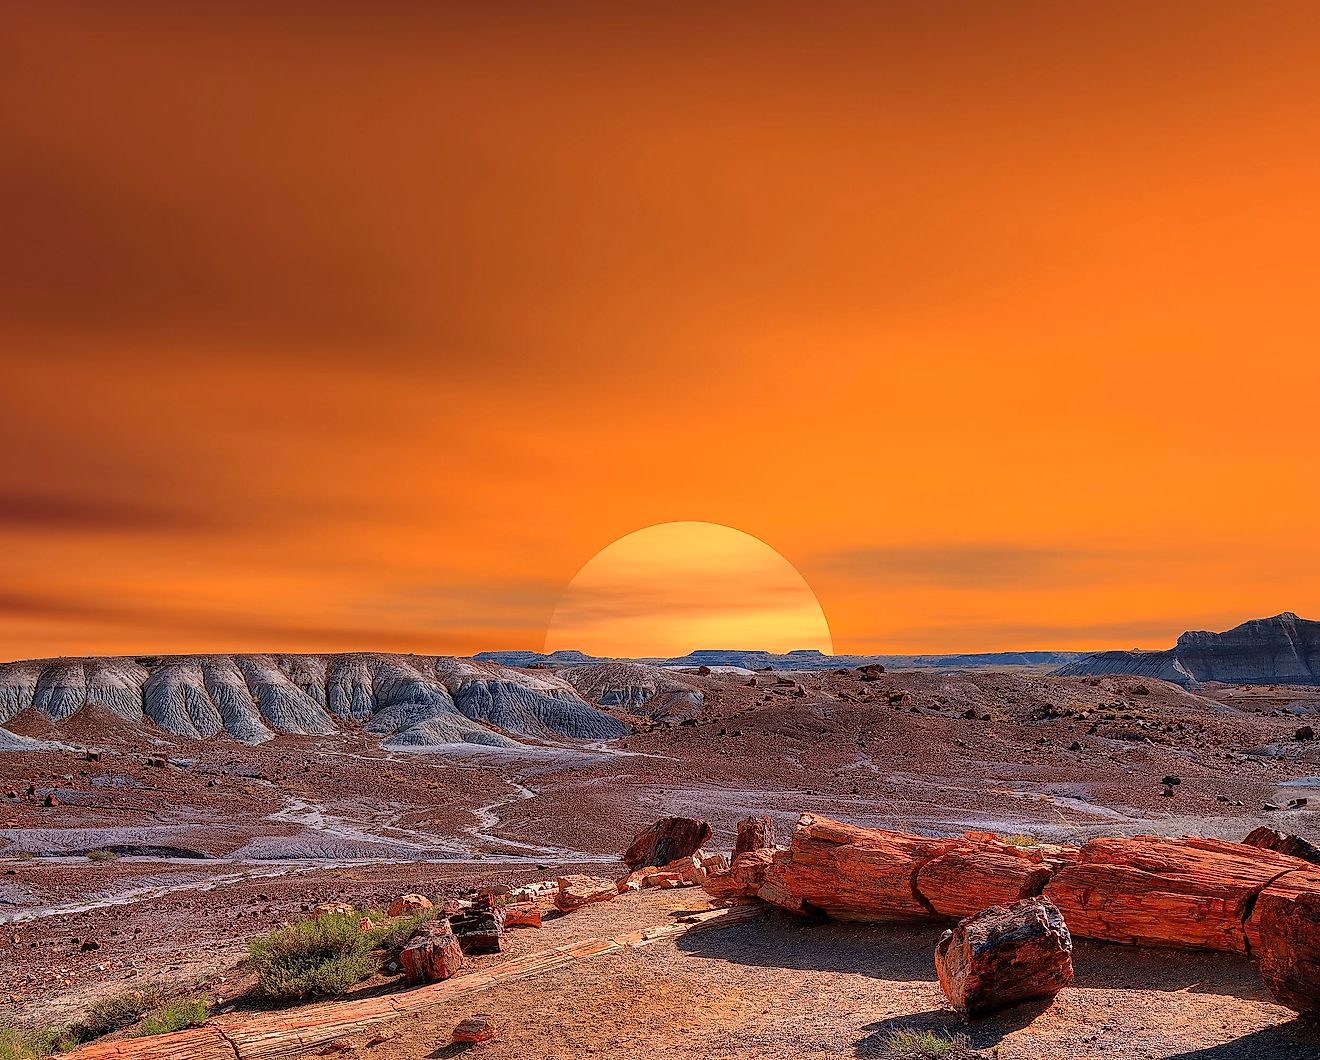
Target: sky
(366, 326)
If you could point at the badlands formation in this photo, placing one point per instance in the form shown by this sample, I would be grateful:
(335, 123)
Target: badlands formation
(851, 827)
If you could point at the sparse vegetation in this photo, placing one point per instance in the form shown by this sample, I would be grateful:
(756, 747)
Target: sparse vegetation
(102, 855)
(313, 958)
(1019, 840)
(35, 1043)
(115, 1013)
(927, 1045)
(175, 1016)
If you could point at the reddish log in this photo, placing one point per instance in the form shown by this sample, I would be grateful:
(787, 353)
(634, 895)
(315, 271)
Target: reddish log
(744, 878)
(1284, 932)
(667, 840)
(855, 873)
(755, 833)
(968, 879)
(1192, 893)
(432, 954)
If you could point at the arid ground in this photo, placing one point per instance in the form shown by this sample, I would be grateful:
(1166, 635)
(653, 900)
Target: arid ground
(153, 859)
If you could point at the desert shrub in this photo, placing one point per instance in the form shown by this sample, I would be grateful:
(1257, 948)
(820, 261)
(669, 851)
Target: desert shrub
(313, 958)
(927, 1045)
(34, 1043)
(115, 1013)
(1019, 840)
(175, 1016)
(102, 855)
(390, 933)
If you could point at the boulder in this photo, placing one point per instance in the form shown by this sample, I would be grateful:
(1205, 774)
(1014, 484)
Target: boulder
(665, 841)
(1293, 845)
(479, 931)
(432, 954)
(522, 914)
(1004, 955)
(577, 890)
(476, 1028)
(717, 862)
(755, 833)
(407, 904)
(682, 872)
(1284, 932)
(1193, 893)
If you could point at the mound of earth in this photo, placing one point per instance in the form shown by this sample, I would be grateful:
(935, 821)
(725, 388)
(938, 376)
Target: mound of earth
(408, 700)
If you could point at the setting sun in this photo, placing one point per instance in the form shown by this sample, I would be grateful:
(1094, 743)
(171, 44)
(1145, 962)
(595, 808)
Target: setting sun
(676, 587)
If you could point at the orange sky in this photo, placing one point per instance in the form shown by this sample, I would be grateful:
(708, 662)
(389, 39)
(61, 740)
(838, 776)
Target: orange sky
(365, 326)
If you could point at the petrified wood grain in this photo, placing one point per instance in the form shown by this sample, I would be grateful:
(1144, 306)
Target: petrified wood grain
(1284, 932)
(966, 880)
(667, 840)
(1192, 892)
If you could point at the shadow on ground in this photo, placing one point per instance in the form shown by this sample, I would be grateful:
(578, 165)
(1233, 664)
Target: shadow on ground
(1288, 1041)
(905, 953)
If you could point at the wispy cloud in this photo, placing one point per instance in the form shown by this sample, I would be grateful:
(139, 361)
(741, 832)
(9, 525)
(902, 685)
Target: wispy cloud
(974, 565)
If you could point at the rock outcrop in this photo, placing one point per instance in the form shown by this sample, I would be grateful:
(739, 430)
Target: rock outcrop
(1284, 649)
(667, 840)
(1004, 955)
(406, 700)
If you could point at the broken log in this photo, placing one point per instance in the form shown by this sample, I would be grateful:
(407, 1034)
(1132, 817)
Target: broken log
(1189, 893)
(667, 840)
(755, 833)
(1284, 934)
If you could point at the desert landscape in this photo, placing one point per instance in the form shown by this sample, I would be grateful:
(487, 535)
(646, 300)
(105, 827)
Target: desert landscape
(160, 813)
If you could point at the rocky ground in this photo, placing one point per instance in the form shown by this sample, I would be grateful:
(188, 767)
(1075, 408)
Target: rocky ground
(155, 861)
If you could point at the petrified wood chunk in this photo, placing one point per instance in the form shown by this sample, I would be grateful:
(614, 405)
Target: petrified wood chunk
(432, 954)
(1150, 891)
(855, 873)
(755, 833)
(744, 878)
(1293, 845)
(479, 931)
(966, 880)
(522, 914)
(667, 840)
(476, 1028)
(1284, 931)
(577, 890)
(407, 904)
(1005, 955)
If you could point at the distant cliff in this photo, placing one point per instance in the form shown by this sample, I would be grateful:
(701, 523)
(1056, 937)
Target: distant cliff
(1284, 649)
(802, 659)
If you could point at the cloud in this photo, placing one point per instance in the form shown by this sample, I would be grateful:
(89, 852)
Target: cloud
(973, 565)
(22, 510)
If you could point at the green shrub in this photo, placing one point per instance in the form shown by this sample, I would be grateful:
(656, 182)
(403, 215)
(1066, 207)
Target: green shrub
(34, 1043)
(115, 1013)
(175, 1016)
(313, 958)
(390, 933)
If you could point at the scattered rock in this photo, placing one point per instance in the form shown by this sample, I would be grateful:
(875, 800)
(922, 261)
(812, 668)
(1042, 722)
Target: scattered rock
(522, 914)
(476, 1028)
(407, 904)
(479, 931)
(1003, 956)
(1306, 732)
(667, 840)
(577, 890)
(50, 800)
(745, 876)
(1171, 779)
(432, 954)
(340, 908)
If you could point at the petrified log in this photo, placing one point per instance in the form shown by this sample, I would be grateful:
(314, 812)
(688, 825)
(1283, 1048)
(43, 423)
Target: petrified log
(665, 841)
(479, 931)
(1284, 932)
(682, 872)
(1191, 892)
(755, 833)
(1005, 955)
(854, 873)
(432, 954)
(744, 878)
(966, 880)
(577, 890)
(1293, 845)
